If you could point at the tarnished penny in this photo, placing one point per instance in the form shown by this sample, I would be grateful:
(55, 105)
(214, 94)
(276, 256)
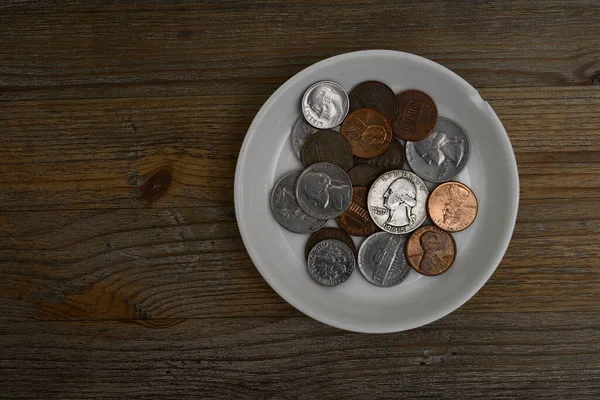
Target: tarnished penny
(368, 131)
(327, 146)
(452, 206)
(356, 219)
(364, 175)
(328, 233)
(391, 159)
(375, 95)
(417, 115)
(430, 251)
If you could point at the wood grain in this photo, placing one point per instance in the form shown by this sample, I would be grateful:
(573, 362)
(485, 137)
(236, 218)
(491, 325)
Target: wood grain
(514, 355)
(123, 274)
(130, 48)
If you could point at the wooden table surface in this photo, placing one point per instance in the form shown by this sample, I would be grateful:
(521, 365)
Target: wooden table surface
(122, 271)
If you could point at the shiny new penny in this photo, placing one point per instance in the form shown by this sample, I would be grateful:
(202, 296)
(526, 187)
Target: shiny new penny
(430, 251)
(368, 131)
(389, 160)
(375, 95)
(417, 115)
(327, 146)
(452, 206)
(356, 219)
(328, 233)
(364, 175)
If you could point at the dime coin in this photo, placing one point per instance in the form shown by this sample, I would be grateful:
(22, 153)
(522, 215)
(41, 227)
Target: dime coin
(325, 104)
(375, 95)
(364, 175)
(382, 259)
(397, 200)
(286, 210)
(356, 219)
(328, 233)
(323, 190)
(327, 146)
(392, 158)
(417, 115)
(301, 131)
(452, 206)
(442, 155)
(430, 251)
(368, 131)
(331, 262)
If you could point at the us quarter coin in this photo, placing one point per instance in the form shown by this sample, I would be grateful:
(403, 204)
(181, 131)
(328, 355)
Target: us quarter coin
(301, 131)
(323, 191)
(382, 259)
(325, 104)
(286, 210)
(442, 155)
(397, 201)
(331, 262)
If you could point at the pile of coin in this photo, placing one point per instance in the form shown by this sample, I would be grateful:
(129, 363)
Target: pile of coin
(370, 159)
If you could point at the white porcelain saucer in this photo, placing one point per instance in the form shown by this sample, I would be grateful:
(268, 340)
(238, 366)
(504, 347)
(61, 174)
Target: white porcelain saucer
(267, 154)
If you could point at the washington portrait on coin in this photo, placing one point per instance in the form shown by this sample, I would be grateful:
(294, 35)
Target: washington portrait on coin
(397, 201)
(324, 190)
(400, 198)
(442, 155)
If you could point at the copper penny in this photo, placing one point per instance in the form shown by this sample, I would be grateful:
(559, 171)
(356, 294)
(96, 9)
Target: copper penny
(452, 206)
(327, 146)
(356, 219)
(392, 158)
(417, 115)
(364, 175)
(375, 95)
(328, 233)
(368, 131)
(430, 251)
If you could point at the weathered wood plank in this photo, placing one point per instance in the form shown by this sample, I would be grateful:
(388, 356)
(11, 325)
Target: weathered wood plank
(497, 355)
(127, 48)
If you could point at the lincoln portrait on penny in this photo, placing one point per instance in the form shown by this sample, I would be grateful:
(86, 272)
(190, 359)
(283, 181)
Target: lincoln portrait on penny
(432, 261)
(325, 102)
(399, 199)
(452, 212)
